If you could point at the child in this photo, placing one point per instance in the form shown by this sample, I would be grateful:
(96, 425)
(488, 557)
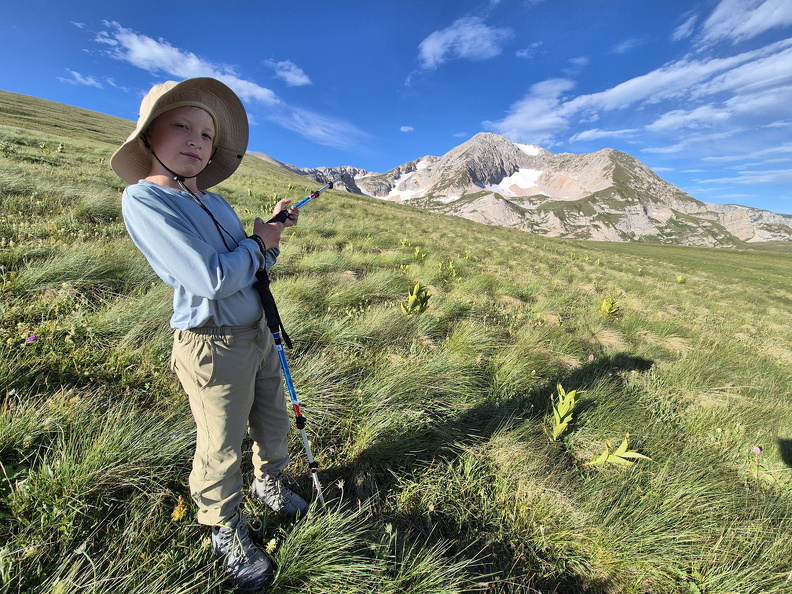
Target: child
(191, 136)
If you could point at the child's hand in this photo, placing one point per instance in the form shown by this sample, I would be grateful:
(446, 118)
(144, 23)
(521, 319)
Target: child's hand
(293, 212)
(270, 233)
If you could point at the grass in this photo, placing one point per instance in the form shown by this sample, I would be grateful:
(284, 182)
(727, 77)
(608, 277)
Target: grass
(433, 431)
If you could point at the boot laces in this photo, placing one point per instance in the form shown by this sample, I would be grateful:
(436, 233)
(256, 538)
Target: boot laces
(236, 541)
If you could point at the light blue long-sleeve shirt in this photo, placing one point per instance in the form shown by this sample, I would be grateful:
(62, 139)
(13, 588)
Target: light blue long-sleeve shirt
(212, 286)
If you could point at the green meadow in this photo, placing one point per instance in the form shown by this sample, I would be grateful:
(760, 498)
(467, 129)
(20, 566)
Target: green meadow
(492, 411)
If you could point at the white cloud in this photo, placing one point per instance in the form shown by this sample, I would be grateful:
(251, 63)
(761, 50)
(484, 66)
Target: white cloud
(772, 176)
(319, 128)
(596, 133)
(670, 81)
(752, 84)
(153, 55)
(466, 38)
(289, 72)
(753, 71)
(739, 20)
(695, 78)
(539, 116)
(690, 140)
(626, 45)
(686, 29)
(677, 119)
(159, 57)
(115, 85)
(782, 150)
(768, 103)
(576, 65)
(79, 79)
(528, 52)
(406, 129)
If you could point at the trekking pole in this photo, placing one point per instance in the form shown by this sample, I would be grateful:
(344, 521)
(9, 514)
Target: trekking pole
(299, 419)
(284, 214)
(275, 326)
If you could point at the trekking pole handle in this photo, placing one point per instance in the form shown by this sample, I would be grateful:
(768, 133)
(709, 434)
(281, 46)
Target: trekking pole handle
(284, 214)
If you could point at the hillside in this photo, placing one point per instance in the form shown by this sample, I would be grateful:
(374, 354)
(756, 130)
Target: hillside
(469, 446)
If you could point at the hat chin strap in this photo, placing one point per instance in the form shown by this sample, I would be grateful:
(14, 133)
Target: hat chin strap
(178, 178)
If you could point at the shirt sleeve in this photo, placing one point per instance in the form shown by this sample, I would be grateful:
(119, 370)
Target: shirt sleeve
(184, 251)
(270, 257)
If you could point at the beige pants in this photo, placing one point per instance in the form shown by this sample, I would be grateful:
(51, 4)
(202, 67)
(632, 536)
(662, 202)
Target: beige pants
(233, 378)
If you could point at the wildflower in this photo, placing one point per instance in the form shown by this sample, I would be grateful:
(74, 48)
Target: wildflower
(32, 338)
(179, 511)
(591, 357)
(271, 546)
(757, 450)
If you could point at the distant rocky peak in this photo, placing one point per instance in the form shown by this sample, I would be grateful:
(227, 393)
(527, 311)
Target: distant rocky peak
(606, 195)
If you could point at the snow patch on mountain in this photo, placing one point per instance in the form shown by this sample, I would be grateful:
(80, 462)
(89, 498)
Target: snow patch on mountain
(422, 164)
(529, 149)
(517, 183)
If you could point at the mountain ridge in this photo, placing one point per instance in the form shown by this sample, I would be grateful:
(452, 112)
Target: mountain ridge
(605, 195)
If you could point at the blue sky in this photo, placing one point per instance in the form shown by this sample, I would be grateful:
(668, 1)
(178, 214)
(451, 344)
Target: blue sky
(699, 91)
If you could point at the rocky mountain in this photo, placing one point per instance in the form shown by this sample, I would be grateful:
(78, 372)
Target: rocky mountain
(607, 195)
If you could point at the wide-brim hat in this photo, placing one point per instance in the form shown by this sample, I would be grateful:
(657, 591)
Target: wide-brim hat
(132, 162)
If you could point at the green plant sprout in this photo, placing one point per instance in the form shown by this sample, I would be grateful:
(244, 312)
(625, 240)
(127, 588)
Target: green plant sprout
(609, 308)
(447, 269)
(621, 456)
(563, 408)
(417, 301)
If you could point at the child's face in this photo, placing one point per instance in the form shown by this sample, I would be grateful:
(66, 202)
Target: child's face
(182, 139)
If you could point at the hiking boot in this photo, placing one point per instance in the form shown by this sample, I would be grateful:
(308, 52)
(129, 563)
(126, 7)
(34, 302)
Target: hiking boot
(271, 491)
(249, 569)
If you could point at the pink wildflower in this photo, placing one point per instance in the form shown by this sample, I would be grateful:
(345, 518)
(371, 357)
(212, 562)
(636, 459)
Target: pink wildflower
(591, 357)
(757, 450)
(32, 338)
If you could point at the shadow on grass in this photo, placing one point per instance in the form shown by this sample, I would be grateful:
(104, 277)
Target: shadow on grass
(785, 449)
(376, 470)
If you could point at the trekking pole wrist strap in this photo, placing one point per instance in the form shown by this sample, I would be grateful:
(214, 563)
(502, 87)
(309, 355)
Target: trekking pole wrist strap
(268, 305)
(260, 243)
